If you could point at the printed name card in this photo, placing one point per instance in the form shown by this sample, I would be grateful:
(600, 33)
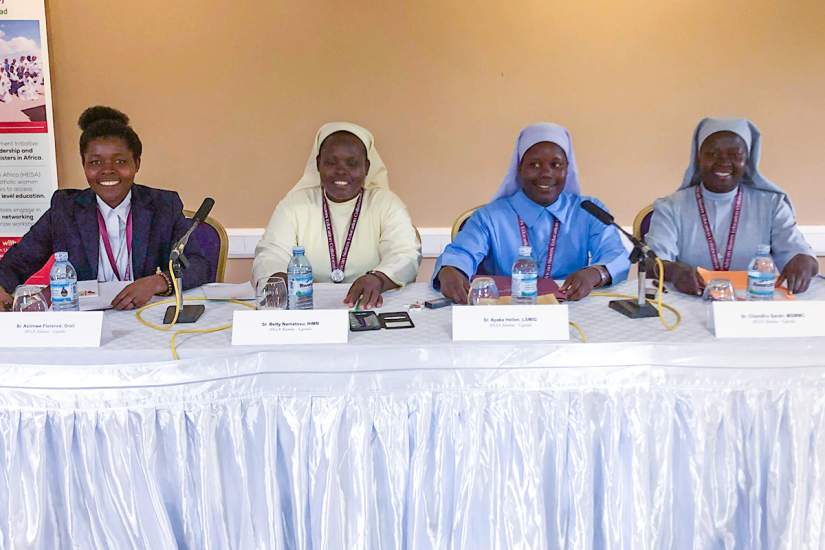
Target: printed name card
(272, 327)
(488, 323)
(781, 319)
(54, 329)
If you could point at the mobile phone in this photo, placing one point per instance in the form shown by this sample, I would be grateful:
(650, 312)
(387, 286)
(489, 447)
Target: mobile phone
(363, 320)
(437, 303)
(188, 314)
(396, 319)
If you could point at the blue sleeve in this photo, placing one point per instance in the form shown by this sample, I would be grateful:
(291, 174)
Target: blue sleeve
(663, 235)
(607, 249)
(469, 248)
(786, 238)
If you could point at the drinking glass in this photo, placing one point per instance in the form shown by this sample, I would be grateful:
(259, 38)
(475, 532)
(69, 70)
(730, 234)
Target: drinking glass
(271, 295)
(29, 298)
(483, 292)
(719, 290)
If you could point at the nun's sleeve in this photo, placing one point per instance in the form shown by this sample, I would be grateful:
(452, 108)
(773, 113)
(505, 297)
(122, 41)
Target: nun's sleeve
(274, 250)
(663, 235)
(399, 247)
(606, 247)
(468, 250)
(786, 238)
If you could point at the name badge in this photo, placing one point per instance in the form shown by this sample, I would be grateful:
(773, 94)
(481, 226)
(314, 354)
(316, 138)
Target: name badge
(781, 319)
(275, 327)
(64, 329)
(525, 323)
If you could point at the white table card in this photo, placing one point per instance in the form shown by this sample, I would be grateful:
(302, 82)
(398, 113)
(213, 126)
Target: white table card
(52, 329)
(488, 323)
(271, 327)
(781, 319)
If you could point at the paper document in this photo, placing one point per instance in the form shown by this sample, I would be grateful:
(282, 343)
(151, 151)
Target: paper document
(95, 296)
(739, 279)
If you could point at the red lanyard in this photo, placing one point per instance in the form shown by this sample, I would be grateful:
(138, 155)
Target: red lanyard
(734, 225)
(337, 266)
(551, 245)
(104, 235)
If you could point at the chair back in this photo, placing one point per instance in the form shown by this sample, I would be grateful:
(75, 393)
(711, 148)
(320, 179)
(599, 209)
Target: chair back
(461, 220)
(212, 238)
(641, 225)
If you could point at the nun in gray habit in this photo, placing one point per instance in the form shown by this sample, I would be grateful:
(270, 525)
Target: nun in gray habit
(724, 209)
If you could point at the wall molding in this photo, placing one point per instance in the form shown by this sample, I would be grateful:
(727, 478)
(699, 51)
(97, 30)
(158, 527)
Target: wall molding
(242, 241)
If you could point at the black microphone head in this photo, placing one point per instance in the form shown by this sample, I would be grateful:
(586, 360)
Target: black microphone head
(203, 211)
(599, 213)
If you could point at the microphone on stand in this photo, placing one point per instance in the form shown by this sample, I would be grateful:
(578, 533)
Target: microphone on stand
(200, 215)
(188, 313)
(639, 308)
(606, 218)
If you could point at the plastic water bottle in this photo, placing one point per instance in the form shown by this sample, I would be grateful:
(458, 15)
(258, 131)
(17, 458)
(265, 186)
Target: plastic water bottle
(299, 276)
(63, 284)
(761, 274)
(524, 285)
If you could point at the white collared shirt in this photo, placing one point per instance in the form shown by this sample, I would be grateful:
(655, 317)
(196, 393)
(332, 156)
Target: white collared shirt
(115, 219)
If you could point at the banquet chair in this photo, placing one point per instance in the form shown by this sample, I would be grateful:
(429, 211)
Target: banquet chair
(460, 221)
(641, 224)
(212, 238)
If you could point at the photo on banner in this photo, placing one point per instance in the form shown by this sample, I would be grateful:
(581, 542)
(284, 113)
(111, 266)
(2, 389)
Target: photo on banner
(28, 173)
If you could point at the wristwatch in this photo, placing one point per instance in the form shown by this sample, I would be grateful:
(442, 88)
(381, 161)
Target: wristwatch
(604, 274)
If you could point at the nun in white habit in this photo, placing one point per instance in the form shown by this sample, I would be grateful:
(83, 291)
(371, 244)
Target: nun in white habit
(724, 209)
(353, 228)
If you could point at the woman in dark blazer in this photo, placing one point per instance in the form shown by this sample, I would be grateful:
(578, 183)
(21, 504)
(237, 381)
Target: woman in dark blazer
(115, 229)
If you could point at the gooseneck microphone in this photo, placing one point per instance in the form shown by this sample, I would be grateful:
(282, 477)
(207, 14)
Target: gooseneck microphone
(200, 215)
(639, 308)
(604, 216)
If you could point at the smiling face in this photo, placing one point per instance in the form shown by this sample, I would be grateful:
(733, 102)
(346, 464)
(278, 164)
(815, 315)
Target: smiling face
(110, 168)
(542, 172)
(721, 161)
(342, 164)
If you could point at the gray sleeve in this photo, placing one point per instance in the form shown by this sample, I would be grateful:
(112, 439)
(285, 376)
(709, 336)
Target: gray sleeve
(786, 238)
(663, 236)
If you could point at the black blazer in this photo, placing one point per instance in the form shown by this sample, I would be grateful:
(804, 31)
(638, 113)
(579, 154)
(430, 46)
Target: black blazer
(70, 224)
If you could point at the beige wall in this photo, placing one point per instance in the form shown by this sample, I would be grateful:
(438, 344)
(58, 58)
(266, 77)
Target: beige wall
(227, 95)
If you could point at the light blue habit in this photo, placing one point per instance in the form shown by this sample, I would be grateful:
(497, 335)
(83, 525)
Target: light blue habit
(676, 232)
(489, 241)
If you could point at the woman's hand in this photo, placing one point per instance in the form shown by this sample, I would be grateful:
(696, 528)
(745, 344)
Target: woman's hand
(138, 293)
(454, 284)
(366, 288)
(5, 300)
(581, 283)
(798, 273)
(685, 278)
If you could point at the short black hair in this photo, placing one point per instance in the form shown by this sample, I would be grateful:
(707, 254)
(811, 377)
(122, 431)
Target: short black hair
(105, 122)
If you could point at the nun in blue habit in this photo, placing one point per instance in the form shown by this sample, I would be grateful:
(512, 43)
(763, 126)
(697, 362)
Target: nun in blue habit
(724, 209)
(538, 197)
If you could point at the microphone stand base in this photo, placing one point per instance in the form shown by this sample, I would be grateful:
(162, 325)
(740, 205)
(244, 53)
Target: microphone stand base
(632, 309)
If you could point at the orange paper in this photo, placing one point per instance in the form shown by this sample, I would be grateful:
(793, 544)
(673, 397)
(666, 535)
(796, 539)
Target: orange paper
(739, 280)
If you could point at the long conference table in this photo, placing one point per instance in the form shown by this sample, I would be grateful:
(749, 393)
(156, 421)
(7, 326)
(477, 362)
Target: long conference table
(638, 439)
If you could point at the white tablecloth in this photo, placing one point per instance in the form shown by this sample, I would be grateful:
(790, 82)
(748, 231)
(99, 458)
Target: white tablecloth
(401, 439)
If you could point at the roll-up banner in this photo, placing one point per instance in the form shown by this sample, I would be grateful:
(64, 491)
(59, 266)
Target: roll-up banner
(28, 171)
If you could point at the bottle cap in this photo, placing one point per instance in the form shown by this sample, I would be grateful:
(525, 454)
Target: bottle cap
(297, 250)
(61, 256)
(763, 249)
(525, 251)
